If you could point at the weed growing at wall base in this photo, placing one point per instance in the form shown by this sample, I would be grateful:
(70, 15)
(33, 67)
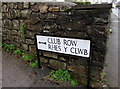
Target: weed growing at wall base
(63, 75)
(27, 57)
(33, 64)
(17, 51)
(7, 47)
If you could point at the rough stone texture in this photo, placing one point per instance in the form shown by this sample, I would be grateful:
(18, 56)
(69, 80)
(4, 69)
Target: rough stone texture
(89, 22)
(7, 24)
(29, 41)
(52, 9)
(16, 24)
(62, 58)
(43, 60)
(77, 69)
(25, 47)
(49, 54)
(14, 32)
(32, 49)
(33, 18)
(35, 8)
(34, 27)
(13, 13)
(57, 64)
(4, 8)
(43, 8)
(25, 13)
(26, 5)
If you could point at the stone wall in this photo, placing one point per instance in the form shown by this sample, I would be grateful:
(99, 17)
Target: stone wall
(58, 19)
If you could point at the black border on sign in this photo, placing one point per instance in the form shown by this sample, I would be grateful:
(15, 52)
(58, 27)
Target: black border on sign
(89, 61)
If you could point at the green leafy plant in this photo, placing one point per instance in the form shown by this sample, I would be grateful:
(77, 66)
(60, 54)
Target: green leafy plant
(8, 47)
(17, 51)
(103, 74)
(34, 64)
(74, 83)
(23, 30)
(62, 75)
(104, 80)
(27, 57)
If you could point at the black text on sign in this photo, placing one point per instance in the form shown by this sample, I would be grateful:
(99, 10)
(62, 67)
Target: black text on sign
(70, 46)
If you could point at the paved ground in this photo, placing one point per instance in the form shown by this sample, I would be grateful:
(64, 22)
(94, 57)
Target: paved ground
(112, 55)
(17, 74)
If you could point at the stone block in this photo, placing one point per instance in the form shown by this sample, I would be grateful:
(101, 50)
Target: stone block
(4, 8)
(43, 8)
(15, 6)
(83, 81)
(100, 20)
(98, 56)
(13, 14)
(96, 32)
(16, 13)
(38, 28)
(20, 5)
(14, 32)
(18, 39)
(99, 44)
(7, 24)
(16, 24)
(4, 15)
(10, 5)
(101, 29)
(81, 35)
(25, 13)
(95, 84)
(77, 69)
(24, 46)
(7, 31)
(65, 8)
(30, 34)
(74, 25)
(49, 54)
(35, 8)
(51, 16)
(29, 41)
(78, 61)
(33, 18)
(63, 19)
(97, 64)
(57, 64)
(62, 58)
(32, 49)
(32, 3)
(26, 5)
(96, 77)
(51, 28)
(43, 60)
(54, 9)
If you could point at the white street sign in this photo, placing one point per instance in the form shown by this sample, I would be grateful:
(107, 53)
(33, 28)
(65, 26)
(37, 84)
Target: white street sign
(70, 46)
